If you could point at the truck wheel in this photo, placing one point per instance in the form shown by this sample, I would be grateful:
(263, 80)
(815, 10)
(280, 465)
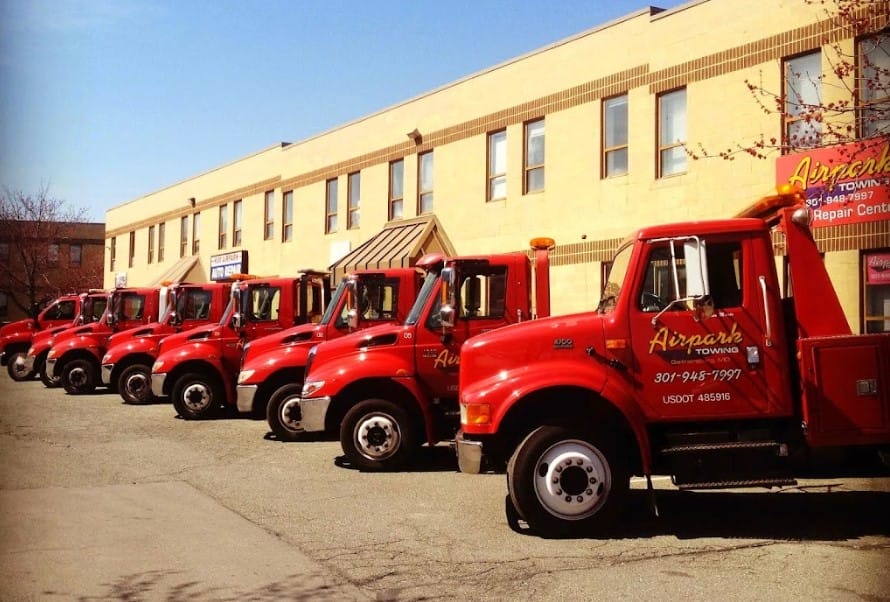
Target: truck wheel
(79, 377)
(134, 384)
(50, 382)
(16, 367)
(283, 412)
(197, 397)
(563, 484)
(378, 435)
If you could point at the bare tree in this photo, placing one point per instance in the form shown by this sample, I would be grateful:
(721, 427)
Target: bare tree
(845, 103)
(33, 231)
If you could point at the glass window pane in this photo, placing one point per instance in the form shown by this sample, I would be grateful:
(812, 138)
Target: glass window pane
(616, 121)
(426, 171)
(536, 179)
(616, 162)
(673, 118)
(535, 143)
(498, 159)
(803, 83)
(673, 160)
(397, 179)
(498, 188)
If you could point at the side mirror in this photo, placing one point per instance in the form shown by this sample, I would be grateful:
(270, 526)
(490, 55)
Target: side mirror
(447, 311)
(175, 319)
(352, 318)
(237, 321)
(695, 252)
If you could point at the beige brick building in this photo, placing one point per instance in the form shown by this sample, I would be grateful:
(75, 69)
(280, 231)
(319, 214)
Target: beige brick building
(581, 141)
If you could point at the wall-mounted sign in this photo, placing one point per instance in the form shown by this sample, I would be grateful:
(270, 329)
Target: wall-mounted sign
(877, 268)
(845, 184)
(225, 264)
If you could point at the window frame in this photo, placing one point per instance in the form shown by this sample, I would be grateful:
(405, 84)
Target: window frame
(670, 146)
(237, 217)
(530, 169)
(353, 200)
(131, 259)
(53, 250)
(269, 215)
(183, 235)
(112, 254)
(287, 216)
(162, 235)
(425, 196)
(609, 150)
(396, 193)
(196, 233)
(222, 234)
(491, 175)
(71, 259)
(788, 121)
(150, 256)
(331, 186)
(863, 129)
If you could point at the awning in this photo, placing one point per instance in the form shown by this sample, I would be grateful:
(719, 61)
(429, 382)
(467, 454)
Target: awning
(177, 272)
(400, 244)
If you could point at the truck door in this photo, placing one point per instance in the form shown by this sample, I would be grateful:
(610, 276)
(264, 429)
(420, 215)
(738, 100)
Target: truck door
(264, 307)
(700, 355)
(481, 306)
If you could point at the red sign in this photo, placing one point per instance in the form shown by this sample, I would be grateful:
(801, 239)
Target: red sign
(845, 184)
(877, 268)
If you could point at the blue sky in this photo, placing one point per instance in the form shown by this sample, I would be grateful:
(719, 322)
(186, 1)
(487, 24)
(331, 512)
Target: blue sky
(103, 101)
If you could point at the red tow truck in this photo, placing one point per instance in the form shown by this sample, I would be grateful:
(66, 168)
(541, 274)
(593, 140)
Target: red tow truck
(76, 354)
(198, 368)
(92, 308)
(15, 337)
(693, 366)
(272, 367)
(389, 389)
(126, 365)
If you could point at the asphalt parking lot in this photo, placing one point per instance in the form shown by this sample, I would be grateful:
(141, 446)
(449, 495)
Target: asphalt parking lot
(100, 500)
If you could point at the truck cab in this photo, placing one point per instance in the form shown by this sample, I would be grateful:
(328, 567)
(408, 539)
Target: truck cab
(389, 389)
(273, 367)
(75, 355)
(126, 365)
(15, 337)
(692, 365)
(93, 305)
(197, 368)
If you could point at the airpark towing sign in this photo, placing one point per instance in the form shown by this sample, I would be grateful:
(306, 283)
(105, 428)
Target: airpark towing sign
(844, 184)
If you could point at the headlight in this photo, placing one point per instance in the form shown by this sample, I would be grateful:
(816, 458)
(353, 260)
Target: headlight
(51, 354)
(310, 358)
(106, 358)
(156, 367)
(310, 387)
(245, 375)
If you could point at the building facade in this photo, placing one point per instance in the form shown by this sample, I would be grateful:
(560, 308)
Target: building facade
(582, 141)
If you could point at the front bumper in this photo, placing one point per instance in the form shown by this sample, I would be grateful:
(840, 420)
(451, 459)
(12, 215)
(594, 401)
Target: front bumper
(105, 373)
(29, 361)
(469, 454)
(157, 384)
(312, 413)
(246, 393)
(51, 367)
(3, 359)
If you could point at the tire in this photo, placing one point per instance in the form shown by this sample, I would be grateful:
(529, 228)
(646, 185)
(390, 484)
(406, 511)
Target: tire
(283, 413)
(50, 382)
(16, 367)
(378, 435)
(563, 484)
(79, 377)
(134, 384)
(197, 396)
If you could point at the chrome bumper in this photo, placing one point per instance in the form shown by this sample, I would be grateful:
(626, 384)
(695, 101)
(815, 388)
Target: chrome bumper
(105, 373)
(157, 384)
(51, 367)
(246, 393)
(28, 361)
(313, 412)
(469, 454)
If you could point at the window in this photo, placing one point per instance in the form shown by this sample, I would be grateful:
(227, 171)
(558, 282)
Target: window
(379, 298)
(874, 69)
(52, 253)
(269, 216)
(672, 133)
(183, 235)
(396, 189)
(425, 183)
(4, 305)
(162, 237)
(481, 295)
(614, 136)
(497, 165)
(876, 291)
(196, 233)
(112, 253)
(287, 216)
(534, 156)
(131, 259)
(803, 97)
(223, 228)
(4, 252)
(330, 222)
(353, 195)
(63, 310)
(75, 254)
(236, 223)
(264, 303)
(151, 244)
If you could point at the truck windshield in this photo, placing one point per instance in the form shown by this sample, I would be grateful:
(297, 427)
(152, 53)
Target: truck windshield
(335, 301)
(426, 291)
(615, 280)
